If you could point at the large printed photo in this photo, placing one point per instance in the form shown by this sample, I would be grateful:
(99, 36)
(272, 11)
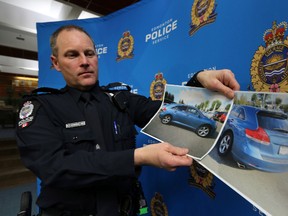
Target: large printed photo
(189, 117)
(243, 142)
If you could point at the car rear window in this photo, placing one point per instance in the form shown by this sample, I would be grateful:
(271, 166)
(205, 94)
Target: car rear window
(273, 120)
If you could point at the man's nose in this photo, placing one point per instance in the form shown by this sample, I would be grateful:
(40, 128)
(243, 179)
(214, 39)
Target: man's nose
(84, 61)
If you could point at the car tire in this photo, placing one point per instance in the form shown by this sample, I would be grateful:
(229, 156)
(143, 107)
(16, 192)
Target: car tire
(166, 119)
(225, 144)
(203, 130)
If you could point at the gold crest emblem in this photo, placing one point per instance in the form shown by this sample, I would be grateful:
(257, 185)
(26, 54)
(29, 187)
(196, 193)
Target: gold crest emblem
(125, 47)
(157, 87)
(202, 13)
(202, 178)
(158, 207)
(269, 67)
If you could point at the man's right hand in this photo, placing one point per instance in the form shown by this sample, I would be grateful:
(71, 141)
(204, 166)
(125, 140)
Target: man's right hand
(162, 155)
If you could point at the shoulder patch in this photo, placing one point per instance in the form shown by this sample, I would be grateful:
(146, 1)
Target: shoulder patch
(116, 86)
(27, 113)
(45, 90)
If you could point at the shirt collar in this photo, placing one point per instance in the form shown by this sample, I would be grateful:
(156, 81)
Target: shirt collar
(76, 93)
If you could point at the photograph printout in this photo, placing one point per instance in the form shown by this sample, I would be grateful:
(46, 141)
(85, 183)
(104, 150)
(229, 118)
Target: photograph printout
(244, 141)
(189, 117)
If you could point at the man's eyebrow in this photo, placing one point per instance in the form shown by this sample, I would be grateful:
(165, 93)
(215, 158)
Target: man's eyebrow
(71, 50)
(88, 49)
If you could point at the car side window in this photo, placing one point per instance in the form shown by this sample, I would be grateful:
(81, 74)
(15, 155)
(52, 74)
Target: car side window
(241, 114)
(235, 112)
(192, 110)
(180, 108)
(175, 108)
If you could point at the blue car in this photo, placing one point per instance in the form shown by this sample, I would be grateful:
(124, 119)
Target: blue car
(256, 138)
(188, 116)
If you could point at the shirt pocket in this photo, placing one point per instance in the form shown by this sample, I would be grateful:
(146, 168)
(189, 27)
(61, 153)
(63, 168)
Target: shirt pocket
(76, 139)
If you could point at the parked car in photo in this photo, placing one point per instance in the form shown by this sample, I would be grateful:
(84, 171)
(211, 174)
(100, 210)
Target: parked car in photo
(256, 138)
(188, 116)
(217, 115)
(222, 118)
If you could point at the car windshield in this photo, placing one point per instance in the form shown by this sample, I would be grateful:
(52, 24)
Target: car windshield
(273, 121)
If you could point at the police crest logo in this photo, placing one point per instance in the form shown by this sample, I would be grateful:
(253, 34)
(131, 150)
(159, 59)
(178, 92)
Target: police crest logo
(125, 47)
(158, 207)
(157, 87)
(269, 67)
(25, 114)
(202, 178)
(202, 13)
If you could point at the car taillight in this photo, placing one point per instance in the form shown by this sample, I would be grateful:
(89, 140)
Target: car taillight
(258, 135)
(163, 109)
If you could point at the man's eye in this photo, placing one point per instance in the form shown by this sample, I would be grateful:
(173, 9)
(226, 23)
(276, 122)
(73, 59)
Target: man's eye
(90, 53)
(71, 55)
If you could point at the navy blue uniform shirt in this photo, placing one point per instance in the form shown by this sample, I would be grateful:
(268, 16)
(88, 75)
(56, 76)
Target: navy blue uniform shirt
(56, 143)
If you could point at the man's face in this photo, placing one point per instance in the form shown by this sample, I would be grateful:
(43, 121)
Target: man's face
(77, 59)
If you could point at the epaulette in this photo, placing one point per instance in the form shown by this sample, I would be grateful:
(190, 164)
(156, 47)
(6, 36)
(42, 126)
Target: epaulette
(42, 90)
(116, 86)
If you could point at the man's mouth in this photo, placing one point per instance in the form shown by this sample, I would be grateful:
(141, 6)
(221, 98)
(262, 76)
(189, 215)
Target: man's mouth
(85, 73)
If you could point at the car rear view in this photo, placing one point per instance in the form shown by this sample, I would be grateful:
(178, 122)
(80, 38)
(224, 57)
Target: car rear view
(266, 146)
(273, 133)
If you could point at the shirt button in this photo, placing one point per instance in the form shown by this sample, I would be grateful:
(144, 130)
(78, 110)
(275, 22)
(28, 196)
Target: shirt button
(97, 147)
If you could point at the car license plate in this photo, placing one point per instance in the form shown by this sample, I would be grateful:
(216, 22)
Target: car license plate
(283, 150)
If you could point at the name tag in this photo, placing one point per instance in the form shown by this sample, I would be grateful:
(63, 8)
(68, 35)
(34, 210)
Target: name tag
(75, 124)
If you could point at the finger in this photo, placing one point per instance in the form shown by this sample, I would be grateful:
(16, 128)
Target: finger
(227, 91)
(231, 82)
(178, 151)
(181, 161)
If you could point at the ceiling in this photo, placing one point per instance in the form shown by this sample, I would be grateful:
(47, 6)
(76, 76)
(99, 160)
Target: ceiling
(18, 39)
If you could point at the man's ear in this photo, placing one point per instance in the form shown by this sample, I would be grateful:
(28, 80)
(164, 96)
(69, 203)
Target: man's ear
(54, 62)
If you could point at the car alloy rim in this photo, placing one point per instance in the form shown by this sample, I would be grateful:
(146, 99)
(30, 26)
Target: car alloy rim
(225, 143)
(203, 131)
(166, 119)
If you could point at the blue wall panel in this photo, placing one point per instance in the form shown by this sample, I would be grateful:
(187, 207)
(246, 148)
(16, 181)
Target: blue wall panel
(230, 41)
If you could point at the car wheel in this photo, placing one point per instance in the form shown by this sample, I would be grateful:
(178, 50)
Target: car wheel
(203, 130)
(166, 119)
(225, 143)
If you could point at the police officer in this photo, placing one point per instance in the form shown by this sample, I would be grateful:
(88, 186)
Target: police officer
(87, 163)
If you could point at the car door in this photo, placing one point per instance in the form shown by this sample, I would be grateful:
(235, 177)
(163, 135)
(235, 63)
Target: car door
(178, 113)
(191, 117)
(237, 123)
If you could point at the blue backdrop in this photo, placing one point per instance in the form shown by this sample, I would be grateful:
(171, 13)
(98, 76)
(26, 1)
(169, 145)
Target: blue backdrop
(155, 42)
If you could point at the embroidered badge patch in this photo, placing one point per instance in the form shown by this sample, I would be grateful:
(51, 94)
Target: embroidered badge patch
(25, 114)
